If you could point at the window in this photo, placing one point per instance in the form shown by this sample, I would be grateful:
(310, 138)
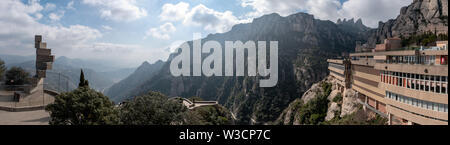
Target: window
(435, 107)
(432, 86)
(444, 90)
(441, 108)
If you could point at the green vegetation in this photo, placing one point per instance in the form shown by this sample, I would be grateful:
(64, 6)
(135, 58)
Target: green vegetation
(17, 76)
(152, 109)
(425, 39)
(156, 109)
(208, 115)
(315, 111)
(338, 98)
(83, 82)
(83, 106)
(2, 69)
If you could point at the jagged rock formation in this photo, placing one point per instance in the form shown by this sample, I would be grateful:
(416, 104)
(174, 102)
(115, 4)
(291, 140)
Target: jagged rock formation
(419, 17)
(349, 103)
(335, 110)
(118, 92)
(332, 110)
(301, 39)
(291, 115)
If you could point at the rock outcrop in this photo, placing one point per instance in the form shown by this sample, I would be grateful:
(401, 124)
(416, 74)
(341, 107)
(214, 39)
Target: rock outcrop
(419, 17)
(332, 110)
(349, 102)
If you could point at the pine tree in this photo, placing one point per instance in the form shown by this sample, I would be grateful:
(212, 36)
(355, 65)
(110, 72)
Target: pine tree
(83, 82)
(2, 69)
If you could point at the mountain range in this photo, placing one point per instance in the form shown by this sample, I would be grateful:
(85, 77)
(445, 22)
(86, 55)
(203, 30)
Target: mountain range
(64, 76)
(301, 39)
(146, 71)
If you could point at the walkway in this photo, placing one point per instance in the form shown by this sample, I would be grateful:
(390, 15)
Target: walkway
(192, 105)
(38, 117)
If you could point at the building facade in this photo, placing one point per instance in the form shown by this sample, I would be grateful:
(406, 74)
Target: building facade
(407, 86)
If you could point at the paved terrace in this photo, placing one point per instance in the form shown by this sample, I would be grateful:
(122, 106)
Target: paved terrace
(38, 117)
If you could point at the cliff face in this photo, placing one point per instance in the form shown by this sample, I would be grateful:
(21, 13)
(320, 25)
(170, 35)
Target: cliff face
(337, 104)
(301, 39)
(419, 17)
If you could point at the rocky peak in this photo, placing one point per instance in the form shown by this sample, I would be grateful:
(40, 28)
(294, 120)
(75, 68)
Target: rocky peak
(351, 23)
(421, 16)
(359, 22)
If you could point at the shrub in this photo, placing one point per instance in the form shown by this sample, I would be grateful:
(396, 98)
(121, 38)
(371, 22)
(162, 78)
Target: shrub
(152, 109)
(338, 98)
(83, 106)
(17, 76)
(2, 69)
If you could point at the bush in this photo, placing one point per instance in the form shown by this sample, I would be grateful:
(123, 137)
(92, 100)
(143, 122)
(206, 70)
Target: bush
(17, 76)
(212, 115)
(326, 88)
(338, 98)
(152, 109)
(315, 111)
(424, 39)
(83, 106)
(2, 69)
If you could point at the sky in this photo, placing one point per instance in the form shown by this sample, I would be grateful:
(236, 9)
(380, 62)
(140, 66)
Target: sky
(129, 32)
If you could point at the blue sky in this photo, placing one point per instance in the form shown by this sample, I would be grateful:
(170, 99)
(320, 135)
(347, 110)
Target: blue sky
(128, 32)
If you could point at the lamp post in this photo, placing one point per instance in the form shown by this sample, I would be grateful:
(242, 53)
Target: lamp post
(14, 88)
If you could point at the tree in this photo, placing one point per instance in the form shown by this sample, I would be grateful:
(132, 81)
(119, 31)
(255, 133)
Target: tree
(17, 76)
(211, 115)
(152, 109)
(2, 69)
(83, 82)
(83, 106)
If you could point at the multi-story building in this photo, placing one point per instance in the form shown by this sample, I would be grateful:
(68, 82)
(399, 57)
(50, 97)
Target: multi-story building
(407, 86)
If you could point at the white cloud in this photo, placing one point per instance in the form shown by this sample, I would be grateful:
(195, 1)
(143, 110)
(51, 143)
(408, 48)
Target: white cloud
(124, 55)
(56, 16)
(172, 12)
(118, 10)
(106, 27)
(371, 11)
(210, 19)
(161, 32)
(70, 5)
(74, 41)
(283, 8)
(49, 6)
(200, 15)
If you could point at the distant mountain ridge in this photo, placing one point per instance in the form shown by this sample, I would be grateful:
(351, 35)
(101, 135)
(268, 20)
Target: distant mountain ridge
(119, 91)
(70, 68)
